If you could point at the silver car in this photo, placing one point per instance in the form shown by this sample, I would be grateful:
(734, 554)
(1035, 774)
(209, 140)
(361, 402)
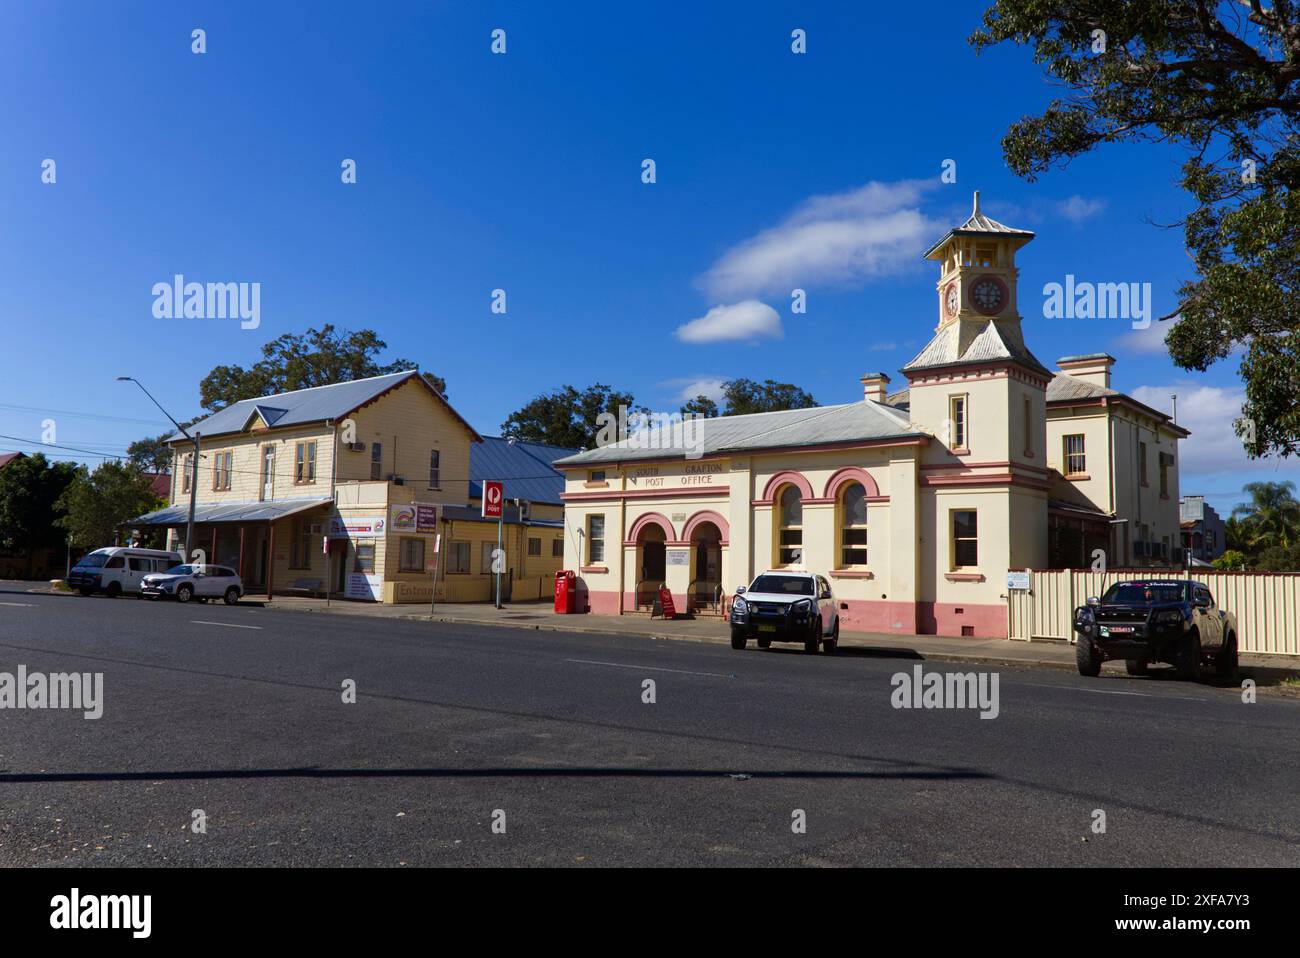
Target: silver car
(202, 582)
(786, 606)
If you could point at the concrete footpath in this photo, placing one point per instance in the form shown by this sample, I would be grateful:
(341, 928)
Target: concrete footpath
(1266, 669)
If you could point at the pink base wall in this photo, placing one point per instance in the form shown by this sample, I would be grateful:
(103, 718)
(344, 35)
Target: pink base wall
(903, 618)
(944, 618)
(877, 616)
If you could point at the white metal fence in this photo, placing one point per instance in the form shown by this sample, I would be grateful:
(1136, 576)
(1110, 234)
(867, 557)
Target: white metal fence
(1267, 605)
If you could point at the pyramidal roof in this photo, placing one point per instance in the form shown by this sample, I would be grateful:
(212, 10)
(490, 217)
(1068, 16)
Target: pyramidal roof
(996, 341)
(979, 224)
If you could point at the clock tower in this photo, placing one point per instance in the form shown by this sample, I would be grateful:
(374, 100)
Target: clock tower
(977, 276)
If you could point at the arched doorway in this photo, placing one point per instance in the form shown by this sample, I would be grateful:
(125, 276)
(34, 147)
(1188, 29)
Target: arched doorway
(651, 564)
(706, 568)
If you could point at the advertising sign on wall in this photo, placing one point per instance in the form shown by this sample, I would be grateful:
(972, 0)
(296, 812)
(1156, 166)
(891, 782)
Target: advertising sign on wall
(350, 527)
(361, 586)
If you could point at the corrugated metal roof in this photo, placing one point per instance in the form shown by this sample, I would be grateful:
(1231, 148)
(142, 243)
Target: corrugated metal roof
(302, 406)
(524, 467)
(227, 512)
(978, 223)
(853, 422)
(994, 342)
(1064, 388)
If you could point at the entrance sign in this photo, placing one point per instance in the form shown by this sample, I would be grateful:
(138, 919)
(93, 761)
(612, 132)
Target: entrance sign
(493, 499)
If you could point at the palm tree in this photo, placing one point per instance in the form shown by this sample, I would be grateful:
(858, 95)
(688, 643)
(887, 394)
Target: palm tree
(1272, 517)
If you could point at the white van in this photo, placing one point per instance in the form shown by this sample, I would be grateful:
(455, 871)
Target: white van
(119, 569)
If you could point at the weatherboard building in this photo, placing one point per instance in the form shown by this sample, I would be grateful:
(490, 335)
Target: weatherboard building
(916, 503)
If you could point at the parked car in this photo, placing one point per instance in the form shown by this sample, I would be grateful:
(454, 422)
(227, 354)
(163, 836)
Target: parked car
(1167, 620)
(785, 606)
(118, 569)
(202, 582)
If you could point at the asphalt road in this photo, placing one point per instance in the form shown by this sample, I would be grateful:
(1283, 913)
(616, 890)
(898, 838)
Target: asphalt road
(239, 712)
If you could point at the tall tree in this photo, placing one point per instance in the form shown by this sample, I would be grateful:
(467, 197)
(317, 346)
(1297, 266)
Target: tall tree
(29, 488)
(701, 405)
(745, 396)
(1223, 80)
(1272, 517)
(318, 357)
(96, 504)
(569, 418)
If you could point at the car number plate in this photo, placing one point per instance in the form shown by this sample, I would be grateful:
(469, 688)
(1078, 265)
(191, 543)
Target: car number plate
(767, 628)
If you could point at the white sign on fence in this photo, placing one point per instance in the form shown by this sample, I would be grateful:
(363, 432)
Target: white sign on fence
(1018, 580)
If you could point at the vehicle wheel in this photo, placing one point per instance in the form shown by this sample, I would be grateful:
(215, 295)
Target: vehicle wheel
(184, 593)
(1086, 657)
(114, 590)
(738, 639)
(830, 645)
(232, 596)
(813, 640)
(1225, 666)
(1188, 660)
(1136, 666)
(86, 592)
(764, 643)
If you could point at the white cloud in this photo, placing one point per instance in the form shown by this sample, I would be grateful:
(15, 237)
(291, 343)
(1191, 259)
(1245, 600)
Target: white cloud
(1149, 340)
(745, 320)
(687, 389)
(883, 347)
(1078, 209)
(1209, 412)
(838, 239)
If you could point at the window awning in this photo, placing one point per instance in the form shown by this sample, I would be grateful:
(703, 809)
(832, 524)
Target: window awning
(178, 515)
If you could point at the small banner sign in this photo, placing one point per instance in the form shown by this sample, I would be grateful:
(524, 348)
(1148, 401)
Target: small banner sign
(666, 603)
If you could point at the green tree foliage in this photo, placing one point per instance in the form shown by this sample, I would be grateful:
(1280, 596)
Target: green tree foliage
(700, 406)
(318, 357)
(1232, 560)
(1223, 80)
(745, 396)
(568, 417)
(96, 504)
(29, 488)
(151, 454)
(1271, 518)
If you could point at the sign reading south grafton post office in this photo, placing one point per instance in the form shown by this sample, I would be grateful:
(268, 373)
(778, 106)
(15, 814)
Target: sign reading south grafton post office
(675, 475)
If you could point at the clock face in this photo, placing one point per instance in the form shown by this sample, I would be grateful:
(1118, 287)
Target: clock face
(989, 295)
(952, 299)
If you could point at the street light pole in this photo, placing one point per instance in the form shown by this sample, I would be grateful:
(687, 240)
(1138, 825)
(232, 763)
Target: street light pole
(194, 471)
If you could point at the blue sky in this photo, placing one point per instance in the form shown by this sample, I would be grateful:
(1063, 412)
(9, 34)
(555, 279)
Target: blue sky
(523, 172)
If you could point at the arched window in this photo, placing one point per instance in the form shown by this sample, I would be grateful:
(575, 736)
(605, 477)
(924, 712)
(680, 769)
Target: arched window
(790, 534)
(853, 525)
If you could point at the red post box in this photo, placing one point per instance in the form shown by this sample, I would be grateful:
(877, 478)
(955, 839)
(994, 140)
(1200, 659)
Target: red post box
(566, 592)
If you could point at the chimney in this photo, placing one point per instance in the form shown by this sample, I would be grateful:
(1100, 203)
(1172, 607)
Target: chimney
(1093, 368)
(873, 386)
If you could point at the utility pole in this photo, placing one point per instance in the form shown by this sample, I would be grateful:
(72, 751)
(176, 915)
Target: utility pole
(194, 470)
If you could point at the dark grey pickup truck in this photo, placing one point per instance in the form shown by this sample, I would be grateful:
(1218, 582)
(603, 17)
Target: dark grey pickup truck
(1157, 620)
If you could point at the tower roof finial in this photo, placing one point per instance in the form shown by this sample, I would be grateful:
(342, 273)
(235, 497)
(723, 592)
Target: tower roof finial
(976, 210)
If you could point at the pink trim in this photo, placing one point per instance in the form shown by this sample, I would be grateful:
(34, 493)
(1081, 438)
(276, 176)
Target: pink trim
(693, 492)
(964, 576)
(850, 474)
(706, 515)
(651, 518)
(790, 477)
(594, 569)
(851, 574)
